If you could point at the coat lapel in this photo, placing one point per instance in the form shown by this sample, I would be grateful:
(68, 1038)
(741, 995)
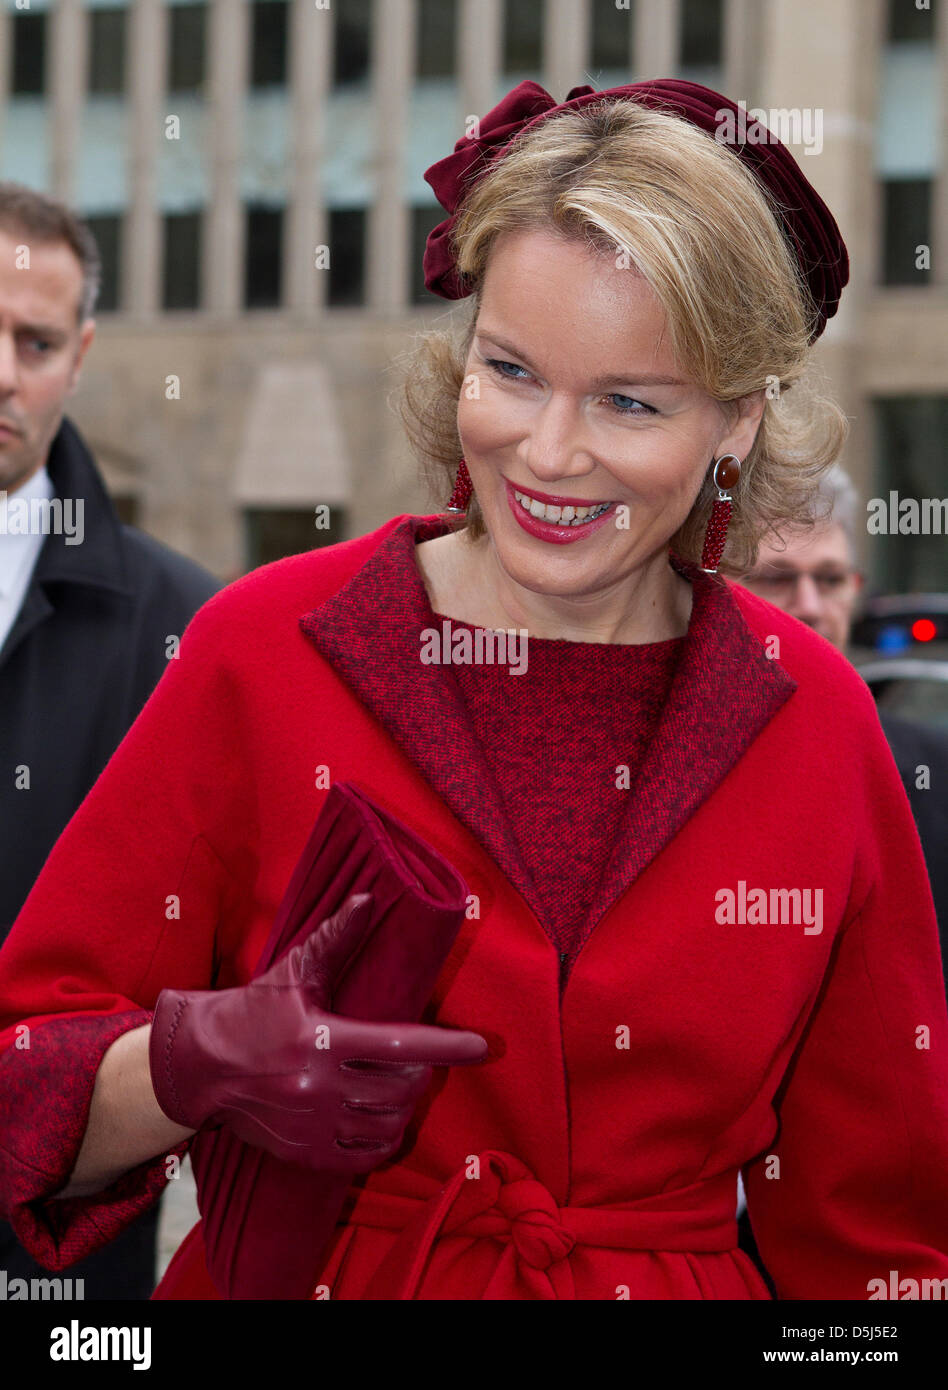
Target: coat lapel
(724, 693)
(370, 633)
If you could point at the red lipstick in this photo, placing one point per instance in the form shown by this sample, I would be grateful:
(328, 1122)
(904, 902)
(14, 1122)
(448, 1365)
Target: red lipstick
(555, 501)
(549, 530)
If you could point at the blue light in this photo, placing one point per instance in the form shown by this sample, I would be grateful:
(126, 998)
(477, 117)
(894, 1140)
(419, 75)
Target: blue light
(893, 639)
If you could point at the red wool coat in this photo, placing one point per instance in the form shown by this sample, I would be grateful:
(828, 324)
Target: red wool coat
(594, 1154)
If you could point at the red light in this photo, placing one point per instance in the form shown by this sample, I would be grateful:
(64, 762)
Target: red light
(924, 630)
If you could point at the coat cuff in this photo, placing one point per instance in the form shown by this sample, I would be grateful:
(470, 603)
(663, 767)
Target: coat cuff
(47, 1089)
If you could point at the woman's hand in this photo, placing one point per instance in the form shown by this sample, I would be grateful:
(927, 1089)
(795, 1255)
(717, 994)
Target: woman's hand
(268, 1061)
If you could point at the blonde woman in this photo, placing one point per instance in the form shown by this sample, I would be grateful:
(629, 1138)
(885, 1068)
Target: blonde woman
(700, 939)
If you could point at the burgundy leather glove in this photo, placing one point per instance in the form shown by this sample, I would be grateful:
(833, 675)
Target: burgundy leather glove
(268, 1060)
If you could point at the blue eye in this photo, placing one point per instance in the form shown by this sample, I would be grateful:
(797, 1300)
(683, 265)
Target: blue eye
(623, 405)
(499, 366)
(627, 409)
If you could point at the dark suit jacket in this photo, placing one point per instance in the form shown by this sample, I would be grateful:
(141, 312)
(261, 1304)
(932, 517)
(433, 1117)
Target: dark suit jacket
(84, 654)
(914, 745)
(87, 648)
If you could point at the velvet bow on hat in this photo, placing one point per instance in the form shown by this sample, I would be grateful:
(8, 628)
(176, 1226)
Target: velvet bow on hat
(806, 221)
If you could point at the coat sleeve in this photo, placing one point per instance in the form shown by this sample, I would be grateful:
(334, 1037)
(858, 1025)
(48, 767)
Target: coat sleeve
(127, 903)
(862, 1109)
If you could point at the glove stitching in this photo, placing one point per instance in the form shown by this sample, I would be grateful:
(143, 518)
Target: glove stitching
(391, 1062)
(371, 1109)
(169, 1073)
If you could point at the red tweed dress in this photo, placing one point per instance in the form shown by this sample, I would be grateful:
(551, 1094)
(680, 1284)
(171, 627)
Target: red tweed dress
(579, 709)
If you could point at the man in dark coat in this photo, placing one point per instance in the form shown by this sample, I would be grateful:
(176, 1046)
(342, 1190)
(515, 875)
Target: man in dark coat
(812, 576)
(90, 610)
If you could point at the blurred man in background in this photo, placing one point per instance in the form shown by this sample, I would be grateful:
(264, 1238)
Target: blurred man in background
(813, 576)
(87, 605)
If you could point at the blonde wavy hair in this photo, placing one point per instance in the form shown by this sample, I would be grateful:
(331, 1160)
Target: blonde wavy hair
(693, 220)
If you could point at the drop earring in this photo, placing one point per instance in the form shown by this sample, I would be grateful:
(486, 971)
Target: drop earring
(725, 476)
(460, 498)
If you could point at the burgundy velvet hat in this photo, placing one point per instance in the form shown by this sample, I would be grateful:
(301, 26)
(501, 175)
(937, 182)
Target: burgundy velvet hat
(807, 222)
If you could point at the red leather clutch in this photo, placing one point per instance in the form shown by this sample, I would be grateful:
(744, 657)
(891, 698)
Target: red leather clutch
(266, 1223)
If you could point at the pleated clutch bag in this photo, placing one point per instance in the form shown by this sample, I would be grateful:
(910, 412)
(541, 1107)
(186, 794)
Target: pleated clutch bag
(266, 1223)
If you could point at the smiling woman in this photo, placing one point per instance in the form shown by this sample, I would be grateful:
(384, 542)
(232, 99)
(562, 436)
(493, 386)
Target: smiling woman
(596, 465)
(688, 278)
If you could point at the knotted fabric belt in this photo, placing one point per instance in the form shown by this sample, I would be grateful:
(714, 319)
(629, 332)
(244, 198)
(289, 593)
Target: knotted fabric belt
(508, 1204)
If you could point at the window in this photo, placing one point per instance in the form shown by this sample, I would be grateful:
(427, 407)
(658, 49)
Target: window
(263, 266)
(423, 220)
(268, 43)
(187, 42)
(701, 33)
(182, 261)
(29, 54)
(351, 49)
(107, 231)
(611, 39)
(906, 226)
(437, 36)
(907, 153)
(910, 434)
(523, 35)
(347, 228)
(128, 507)
(107, 52)
(908, 24)
(273, 533)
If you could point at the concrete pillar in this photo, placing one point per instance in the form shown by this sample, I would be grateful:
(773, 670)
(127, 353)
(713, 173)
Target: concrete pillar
(743, 35)
(223, 242)
(480, 54)
(393, 50)
(657, 25)
(940, 189)
(839, 76)
(6, 56)
(306, 223)
(65, 84)
(147, 64)
(566, 36)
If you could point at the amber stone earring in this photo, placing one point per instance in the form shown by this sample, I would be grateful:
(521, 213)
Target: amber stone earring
(725, 475)
(460, 498)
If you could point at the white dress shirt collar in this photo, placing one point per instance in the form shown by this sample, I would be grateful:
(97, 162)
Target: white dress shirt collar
(19, 552)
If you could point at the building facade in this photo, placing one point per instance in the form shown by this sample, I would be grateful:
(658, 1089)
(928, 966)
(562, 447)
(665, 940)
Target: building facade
(253, 171)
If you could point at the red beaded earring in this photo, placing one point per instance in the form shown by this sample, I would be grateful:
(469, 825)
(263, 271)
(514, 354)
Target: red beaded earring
(463, 490)
(727, 471)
